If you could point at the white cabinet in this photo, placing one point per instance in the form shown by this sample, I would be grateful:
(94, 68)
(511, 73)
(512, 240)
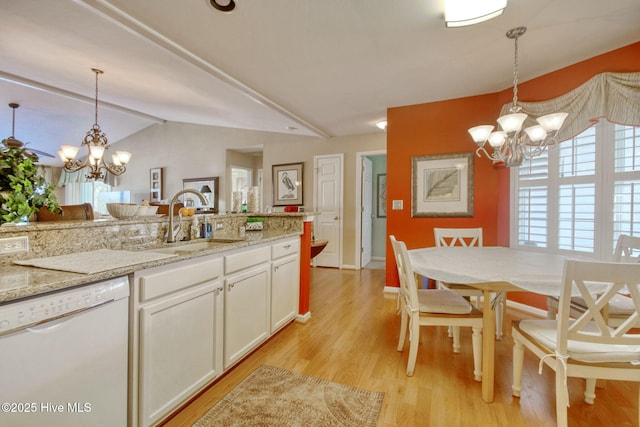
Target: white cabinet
(178, 324)
(285, 282)
(192, 320)
(247, 303)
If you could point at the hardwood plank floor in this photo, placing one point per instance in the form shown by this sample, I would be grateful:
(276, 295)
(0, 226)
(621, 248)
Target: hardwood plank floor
(352, 337)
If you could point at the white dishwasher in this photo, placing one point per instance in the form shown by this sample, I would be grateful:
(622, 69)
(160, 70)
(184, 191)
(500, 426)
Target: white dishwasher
(63, 357)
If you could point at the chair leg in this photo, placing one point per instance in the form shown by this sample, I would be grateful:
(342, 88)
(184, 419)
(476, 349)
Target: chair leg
(456, 338)
(590, 390)
(414, 338)
(518, 361)
(476, 340)
(561, 397)
(403, 328)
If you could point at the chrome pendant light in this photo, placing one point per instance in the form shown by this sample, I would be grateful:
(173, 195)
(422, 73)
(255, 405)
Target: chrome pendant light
(510, 145)
(97, 143)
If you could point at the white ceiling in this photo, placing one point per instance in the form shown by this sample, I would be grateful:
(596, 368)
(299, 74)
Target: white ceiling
(310, 67)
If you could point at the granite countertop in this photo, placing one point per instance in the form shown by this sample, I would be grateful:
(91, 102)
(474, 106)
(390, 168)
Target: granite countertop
(20, 281)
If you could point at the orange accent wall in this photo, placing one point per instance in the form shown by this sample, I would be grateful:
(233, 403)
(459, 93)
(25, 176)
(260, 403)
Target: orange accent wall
(441, 128)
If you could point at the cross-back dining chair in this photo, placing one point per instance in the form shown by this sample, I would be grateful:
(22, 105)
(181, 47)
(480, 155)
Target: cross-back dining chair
(469, 237)
(432, 307)
(585, 347)
(628, 251)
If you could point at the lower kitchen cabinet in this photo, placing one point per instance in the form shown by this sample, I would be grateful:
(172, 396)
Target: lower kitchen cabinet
(246, 311)
(285, 283)
(179, 348)
(176, 335)
(192, 320)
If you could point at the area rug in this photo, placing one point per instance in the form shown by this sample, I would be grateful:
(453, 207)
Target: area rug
(272, 396)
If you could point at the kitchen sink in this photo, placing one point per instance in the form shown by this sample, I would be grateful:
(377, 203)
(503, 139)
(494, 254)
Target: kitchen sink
(196, 246)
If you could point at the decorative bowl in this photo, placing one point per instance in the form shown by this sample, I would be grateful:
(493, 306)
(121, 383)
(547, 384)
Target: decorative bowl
(146, 210)
(122, 210)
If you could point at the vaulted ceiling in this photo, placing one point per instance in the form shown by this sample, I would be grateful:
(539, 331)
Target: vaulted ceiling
(309, 67)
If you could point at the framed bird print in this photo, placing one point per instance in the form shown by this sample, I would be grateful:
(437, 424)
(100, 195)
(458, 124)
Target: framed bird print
(287, 184)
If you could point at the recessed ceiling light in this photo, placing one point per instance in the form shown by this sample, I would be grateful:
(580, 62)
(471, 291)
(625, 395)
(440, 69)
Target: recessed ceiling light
(223, 5)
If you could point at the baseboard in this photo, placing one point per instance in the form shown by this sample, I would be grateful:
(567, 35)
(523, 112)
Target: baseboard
(348, 267)
(303, 318)
(392, 290)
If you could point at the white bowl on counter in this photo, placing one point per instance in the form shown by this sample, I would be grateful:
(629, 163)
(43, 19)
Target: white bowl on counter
(147, 210)
(122, 210)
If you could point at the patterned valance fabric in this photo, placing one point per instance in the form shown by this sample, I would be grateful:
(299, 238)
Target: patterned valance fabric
(614, 96)
(81, 177)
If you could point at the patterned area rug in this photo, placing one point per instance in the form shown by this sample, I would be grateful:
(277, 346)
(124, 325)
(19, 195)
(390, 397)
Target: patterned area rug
(272, 396)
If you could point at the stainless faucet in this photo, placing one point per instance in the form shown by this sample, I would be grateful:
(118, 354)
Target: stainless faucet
(172, 232)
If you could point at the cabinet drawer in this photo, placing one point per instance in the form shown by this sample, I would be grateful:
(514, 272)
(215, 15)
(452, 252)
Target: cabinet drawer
(164, 282)
(287, 247)
(246, 259)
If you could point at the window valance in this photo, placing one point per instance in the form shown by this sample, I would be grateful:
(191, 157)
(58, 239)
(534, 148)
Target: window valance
(614, 96)
(81, 177)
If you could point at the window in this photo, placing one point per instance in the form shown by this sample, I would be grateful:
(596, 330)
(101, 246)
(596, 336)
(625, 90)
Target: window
(578, 197)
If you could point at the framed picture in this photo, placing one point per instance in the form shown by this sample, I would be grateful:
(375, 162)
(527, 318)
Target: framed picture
(381, 211)
(208, 186)
(155, 184)
(287, 184)
(442, 185)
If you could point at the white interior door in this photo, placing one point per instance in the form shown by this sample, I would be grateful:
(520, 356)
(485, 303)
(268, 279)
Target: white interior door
(328, 204)
(366, 211)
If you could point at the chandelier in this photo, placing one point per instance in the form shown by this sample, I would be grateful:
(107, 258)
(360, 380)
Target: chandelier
(96, 142)
(510, 145)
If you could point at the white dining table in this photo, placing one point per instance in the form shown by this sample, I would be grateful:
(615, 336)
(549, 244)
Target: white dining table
(491, 269)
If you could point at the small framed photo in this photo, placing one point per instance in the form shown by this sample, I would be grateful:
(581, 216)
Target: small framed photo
(287, 184)
(155, 184)
(442, 185)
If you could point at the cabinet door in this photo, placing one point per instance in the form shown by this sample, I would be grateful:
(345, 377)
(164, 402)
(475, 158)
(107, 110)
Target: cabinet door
(285, 288)
(180, 348)
(246, 308)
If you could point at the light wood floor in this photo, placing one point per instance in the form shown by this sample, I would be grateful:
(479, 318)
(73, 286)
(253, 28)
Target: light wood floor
(352, 337)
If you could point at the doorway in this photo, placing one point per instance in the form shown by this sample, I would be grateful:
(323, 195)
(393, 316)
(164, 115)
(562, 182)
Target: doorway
(371, 224)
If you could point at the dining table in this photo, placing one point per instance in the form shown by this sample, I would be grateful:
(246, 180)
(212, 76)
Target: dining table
(491, 269)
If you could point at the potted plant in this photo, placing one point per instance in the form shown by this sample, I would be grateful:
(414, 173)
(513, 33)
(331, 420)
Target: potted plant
(23, 190)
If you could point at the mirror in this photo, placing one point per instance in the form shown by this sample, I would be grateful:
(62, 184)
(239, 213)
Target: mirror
(209, 187)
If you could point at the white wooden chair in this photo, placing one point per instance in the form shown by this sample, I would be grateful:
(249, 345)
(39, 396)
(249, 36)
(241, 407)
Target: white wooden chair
(586, 347)
(627, 250)
(469, 237)
(432, 307)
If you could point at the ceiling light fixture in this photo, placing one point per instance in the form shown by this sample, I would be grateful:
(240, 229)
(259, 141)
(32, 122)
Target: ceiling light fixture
(510, 144)
(223, 5)
(382, 124)
(460, 13)
(12, 141)
(96, 142)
